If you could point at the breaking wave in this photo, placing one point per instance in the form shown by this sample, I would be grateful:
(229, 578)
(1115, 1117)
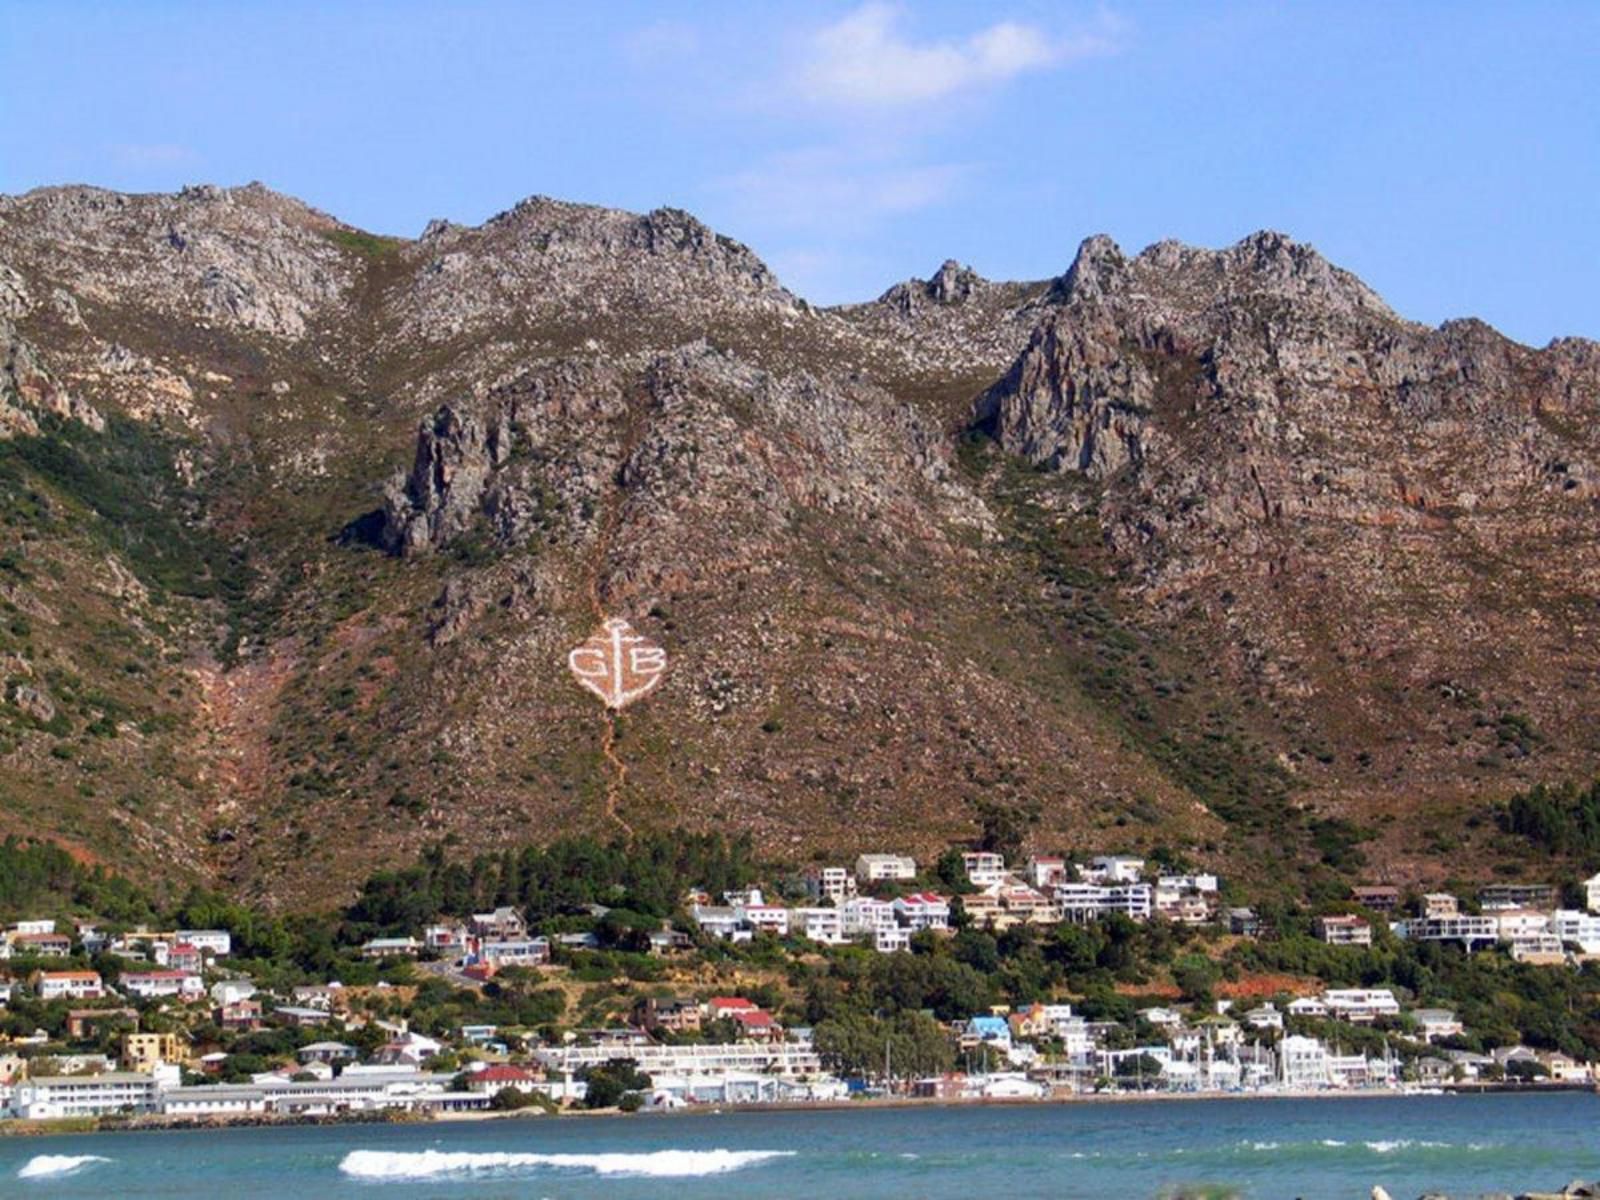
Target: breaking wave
(43, 1166)
(424, 1164)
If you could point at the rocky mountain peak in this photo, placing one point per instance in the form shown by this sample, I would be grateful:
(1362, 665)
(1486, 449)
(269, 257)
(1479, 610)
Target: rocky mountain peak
(1095, 271)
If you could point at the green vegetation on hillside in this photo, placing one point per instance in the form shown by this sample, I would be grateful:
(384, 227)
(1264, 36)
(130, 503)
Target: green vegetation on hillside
(122, 488)
(42, 878)
(1162, 702)
(1563, 818)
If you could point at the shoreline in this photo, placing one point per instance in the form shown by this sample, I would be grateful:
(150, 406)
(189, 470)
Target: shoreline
(153, 1123)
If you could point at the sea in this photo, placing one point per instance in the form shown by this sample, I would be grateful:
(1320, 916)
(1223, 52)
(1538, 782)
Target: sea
(1317, 1149)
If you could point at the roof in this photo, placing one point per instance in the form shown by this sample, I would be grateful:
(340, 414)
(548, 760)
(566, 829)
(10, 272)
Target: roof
(94, 975)
(732, 1002)
(757, 1019)
(923, 898)
(504, 1071)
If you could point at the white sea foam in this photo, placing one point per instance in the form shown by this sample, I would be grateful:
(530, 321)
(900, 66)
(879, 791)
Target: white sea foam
(43, 1166)
(1389, 1147)
(1333, 1142)
(424, 1164)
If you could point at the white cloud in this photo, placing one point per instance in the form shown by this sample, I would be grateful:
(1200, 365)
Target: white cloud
(865, 60)
(827, 188)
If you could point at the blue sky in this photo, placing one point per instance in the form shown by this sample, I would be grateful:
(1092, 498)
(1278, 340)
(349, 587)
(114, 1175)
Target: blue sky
(1449, 153)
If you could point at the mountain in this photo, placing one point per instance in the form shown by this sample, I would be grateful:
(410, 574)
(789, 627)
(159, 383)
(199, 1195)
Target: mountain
(1201, 550)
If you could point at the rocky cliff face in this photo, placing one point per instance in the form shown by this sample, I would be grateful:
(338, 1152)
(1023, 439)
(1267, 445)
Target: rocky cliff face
(1198, 548)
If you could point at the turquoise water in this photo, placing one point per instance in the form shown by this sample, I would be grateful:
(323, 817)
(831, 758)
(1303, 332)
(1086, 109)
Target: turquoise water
(1262, 1148)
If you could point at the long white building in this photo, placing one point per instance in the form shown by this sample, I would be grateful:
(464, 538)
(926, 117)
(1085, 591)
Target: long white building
(792, 1059)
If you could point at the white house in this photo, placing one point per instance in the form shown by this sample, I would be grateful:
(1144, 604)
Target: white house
(890, 938)
(1203, 884)
(1591, 893)
(1517, 923)
(515, 952)
(1045, 872)
(1540, 949)
(885, 868)
(1115, 868)
(720, 921)
(1264, 1016)
(1440, 904)
(147, 985)
(923, 910)
(864, 914)
(1436, 1023)
(216, 942)
(1344, 930)
(830, 883)
(1082, 902)
(1583, 929)
(1361, 1006)
(73, 985)
(770, 918)
(445, 938)
(391, 947)
(824, 925)
(983, 867)
(1307, 1006)
(1469, 930)
(1302, 1063)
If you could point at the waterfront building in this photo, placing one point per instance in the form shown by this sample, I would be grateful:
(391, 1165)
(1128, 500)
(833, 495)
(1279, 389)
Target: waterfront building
(114, 1092)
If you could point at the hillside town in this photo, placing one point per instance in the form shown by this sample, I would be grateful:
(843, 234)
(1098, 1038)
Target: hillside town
(105, 1022)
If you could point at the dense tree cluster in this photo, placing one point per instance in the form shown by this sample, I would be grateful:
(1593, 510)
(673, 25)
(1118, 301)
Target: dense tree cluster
(647, 875)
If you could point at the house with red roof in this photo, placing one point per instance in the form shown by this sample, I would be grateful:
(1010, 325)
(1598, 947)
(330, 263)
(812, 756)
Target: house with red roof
(923, 910)
(727, 1006)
